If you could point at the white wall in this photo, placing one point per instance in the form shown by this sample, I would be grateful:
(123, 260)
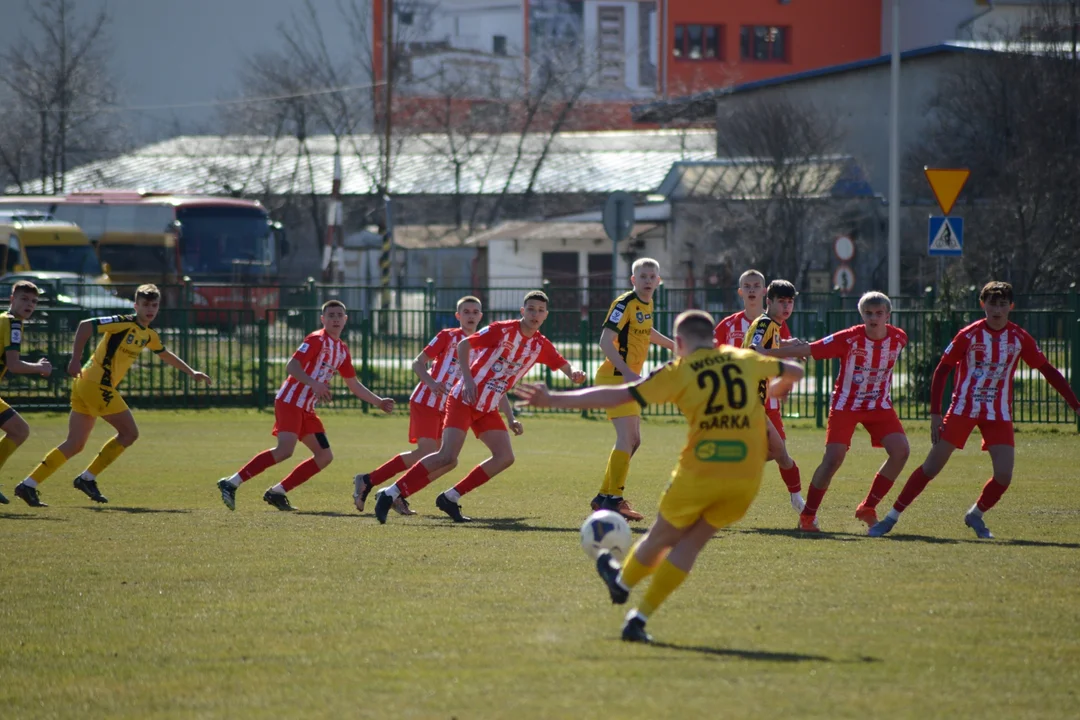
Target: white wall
(473, 25)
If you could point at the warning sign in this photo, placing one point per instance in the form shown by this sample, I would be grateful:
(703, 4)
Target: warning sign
(946, 184)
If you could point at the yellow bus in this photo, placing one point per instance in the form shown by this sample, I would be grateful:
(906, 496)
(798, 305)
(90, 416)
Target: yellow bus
(47, 245)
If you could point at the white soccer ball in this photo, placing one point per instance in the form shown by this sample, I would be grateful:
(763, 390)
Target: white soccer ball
(605, 530)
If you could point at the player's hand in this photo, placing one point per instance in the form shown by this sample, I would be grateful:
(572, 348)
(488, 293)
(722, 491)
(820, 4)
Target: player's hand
(468, 390)
(74, 368)
(577, 377)
(516, 427)
(201, 377)
(437, 388)
(935, 429)
(322, 391)
(536, 394)
(386, 405)
(44, 367)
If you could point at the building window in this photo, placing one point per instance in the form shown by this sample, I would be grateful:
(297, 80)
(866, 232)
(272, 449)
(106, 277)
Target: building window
(698, 42)
(405, 17)
(499, 44)
(764, 43)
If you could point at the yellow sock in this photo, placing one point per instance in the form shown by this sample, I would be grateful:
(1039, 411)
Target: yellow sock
(52, 462)
(633, 570)
(7, 446)
(665, 581)
(109, 452)
(618, 467)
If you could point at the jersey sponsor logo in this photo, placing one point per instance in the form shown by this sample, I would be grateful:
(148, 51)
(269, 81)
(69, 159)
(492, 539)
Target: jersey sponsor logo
(828, 340)
(640, 316)
(16, 335)
(725, 422)
(616, 315)
(948, 349)
(484, 331)
(721, 450)
(303, 348)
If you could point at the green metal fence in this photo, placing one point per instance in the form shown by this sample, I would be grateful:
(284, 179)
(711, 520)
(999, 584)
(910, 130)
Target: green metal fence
(245, 350)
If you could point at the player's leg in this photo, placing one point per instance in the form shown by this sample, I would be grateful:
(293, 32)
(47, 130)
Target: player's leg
(364, 483)
(502, 457)
(321, 457)
(789, 471)
(16, 431)
(835, 452)
(627, 423)
(934, 463)
(422, 473)
(1003, 458)
(79, 428)
(897, 451)
(127, 432)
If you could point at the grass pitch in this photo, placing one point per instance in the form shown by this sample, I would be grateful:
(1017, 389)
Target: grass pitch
(165, 604)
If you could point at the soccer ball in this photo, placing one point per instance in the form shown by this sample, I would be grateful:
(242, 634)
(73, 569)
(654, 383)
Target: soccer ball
(605, 530)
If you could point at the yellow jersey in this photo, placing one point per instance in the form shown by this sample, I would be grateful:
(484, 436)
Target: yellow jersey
(11, 329)
(124, 340)
(632, 319)
(766, 333)
(714, 390)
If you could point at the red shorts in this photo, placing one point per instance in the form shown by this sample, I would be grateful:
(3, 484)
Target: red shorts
(294, 419)
(879, 423)
(957, 428)
(463, 417)
(424, 422)
(777, 420)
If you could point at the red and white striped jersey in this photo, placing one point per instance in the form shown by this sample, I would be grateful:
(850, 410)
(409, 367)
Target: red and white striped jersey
(501, 356)
(321, 357)
(442, 351)
(866, 366)
(987, 360)
(731, 330)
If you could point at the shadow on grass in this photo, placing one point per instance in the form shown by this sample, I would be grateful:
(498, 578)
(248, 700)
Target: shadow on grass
(1017, 542)
(330, 513)
(518, 524)
(750, 654)
(12, 516)
(136, 510)
(800, 535)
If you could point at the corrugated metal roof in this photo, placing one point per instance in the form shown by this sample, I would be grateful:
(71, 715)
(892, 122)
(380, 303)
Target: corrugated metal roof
(831, 176)
(592, 162)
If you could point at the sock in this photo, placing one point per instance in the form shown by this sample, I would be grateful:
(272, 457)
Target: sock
(415, 480)
(52, 462)
(814, 496)
(255, 466)
(29, 482)
(633, 570)
(991, 493)
(912, 488)
(452, 495)
(111, 450)
(7, 447)
(387, 470)
(476, 477)
(87, 475)
(879, 489)
(792, 479)
(235, 480)
(279, 489)
(665, 581)
(393, 490)
(300, 474)
(618, 467)
(893, 514)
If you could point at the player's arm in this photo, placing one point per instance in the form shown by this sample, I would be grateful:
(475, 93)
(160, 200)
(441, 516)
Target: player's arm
(607, 345)
(17, 365)
(793, 349)
(790, 374)
(173, 361)
(949, 359)
(576, 376)
(507, 409)
(82, 336)
(1034, 357)
(468, 382)
(295, 369)
(597, 398)
(420, 368)
(658, 338)
(360, 390)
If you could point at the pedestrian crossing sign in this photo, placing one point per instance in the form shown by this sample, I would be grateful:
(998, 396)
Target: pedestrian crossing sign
(946, 236)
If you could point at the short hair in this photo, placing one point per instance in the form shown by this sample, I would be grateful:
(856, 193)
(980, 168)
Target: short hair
(875, 298)
(467, 299)
(996, 289)
(25, 286)
(644, 262)
(536, 295)
(333, 303)
(149, 292)
(695, 324)
(752, 273)
(780, 289)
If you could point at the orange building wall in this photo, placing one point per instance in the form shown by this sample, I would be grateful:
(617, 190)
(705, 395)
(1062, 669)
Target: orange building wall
(822, 33)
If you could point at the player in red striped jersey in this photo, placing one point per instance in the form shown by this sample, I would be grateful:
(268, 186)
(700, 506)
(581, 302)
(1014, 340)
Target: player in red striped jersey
(861, 396)
(985, 354)
(502, 353)
(428, 403)
(322, 355)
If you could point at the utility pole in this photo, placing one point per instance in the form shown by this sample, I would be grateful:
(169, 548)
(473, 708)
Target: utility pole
(894, 156)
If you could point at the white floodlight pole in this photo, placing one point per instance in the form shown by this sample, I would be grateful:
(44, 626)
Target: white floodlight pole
(894, 156)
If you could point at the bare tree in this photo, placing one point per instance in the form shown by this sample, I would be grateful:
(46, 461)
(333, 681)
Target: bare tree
(58, 92)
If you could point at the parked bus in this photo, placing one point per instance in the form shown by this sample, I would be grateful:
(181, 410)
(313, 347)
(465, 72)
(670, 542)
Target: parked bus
(162, 238)
(29, 242)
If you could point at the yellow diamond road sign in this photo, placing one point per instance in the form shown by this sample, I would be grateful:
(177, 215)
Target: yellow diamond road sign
(946, 184)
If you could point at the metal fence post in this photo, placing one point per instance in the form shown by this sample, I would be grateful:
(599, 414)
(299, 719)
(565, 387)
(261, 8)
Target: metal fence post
(431, 303)
(585, 353)
(365, 357)
(1074, 351)
(819, 381)
(262, 394)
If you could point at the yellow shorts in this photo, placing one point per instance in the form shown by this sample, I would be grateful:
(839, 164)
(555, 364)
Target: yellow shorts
(6, 412)
(719, 500)
(96, 400)
(630, 409)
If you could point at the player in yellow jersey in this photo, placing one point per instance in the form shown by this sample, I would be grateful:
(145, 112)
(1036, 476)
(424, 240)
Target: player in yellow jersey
(24, 299)
(719, 470)
(628, 332)
(94, 393)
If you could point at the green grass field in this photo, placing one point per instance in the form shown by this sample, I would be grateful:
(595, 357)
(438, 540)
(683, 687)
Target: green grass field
(165, 604)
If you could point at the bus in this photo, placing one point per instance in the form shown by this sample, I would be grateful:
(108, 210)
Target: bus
(219, 243)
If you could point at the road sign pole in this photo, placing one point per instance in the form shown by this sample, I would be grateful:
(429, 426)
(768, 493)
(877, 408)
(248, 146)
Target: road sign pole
(615, 251)
(894, 156)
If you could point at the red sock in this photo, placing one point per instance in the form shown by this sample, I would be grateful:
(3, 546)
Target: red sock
(814, 496)
(881, 487)
(476, 477)
(387, 470)
(791, 479)
(912, 488)
(992, 492)
(257, 464)
(300, 474)
(413, 481)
